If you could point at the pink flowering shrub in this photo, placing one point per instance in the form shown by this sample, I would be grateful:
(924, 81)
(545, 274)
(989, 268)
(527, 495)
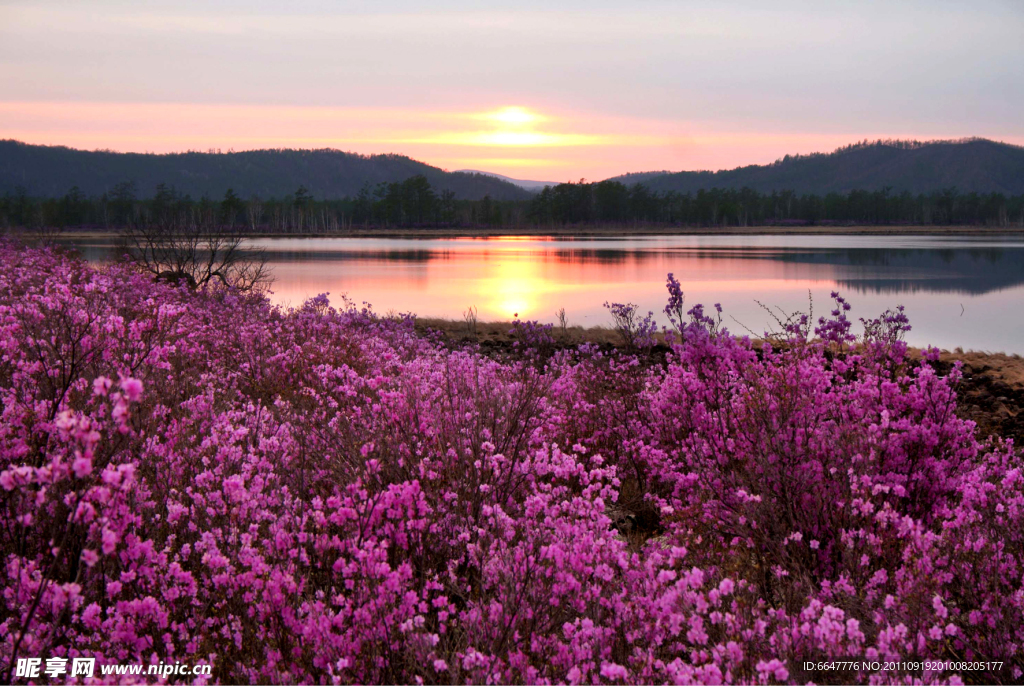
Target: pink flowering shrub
(321, 495)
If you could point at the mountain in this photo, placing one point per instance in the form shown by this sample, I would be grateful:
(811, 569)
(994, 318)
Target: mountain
(973, 164)
(52, 170)
(522, 183)
(639, 177)
(967, 165)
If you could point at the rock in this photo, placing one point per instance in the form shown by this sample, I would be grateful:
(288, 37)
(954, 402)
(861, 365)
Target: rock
(1002, 388)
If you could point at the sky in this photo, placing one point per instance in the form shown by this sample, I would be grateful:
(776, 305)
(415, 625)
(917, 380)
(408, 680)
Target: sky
(533, 90)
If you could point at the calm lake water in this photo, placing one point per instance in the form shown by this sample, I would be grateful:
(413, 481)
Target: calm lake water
(966, 292)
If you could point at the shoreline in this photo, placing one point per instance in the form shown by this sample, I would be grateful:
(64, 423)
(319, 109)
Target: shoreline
(991, 394)
(611, 231)
(497, 333)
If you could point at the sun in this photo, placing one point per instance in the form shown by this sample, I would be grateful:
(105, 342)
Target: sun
(513, 116)
(513, 126)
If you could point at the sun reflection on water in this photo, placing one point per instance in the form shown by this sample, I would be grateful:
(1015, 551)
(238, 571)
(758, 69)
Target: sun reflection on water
(534, 277)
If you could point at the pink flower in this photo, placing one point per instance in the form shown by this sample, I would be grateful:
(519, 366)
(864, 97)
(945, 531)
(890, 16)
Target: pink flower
(89, 557)
(109, 540)
(82, 465)
(132, 388)
(773, 669)
(101, 385)
(615, 672)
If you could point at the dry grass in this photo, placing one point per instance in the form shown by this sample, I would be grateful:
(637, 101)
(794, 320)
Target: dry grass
(499, 332)
(992, 392)
(1008, 368)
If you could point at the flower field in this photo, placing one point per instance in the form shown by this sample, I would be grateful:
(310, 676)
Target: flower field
(324, 496)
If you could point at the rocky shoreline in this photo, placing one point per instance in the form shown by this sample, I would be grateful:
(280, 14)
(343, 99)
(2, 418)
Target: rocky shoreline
(992, 392)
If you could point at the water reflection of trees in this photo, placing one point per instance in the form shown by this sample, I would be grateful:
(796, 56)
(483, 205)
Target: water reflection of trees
(881, 270)
(972, 270)
(967, 270)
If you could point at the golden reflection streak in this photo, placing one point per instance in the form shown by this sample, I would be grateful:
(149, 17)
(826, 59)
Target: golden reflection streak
(516, 285)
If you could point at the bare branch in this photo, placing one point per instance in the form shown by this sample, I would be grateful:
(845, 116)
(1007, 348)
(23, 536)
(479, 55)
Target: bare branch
(191, 247)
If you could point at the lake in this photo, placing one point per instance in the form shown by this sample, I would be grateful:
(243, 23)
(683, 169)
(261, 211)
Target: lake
(958, 291)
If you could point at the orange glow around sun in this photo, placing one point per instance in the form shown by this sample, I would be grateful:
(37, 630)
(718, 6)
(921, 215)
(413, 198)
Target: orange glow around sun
(515, 127)
(523, 141)
(515, 139)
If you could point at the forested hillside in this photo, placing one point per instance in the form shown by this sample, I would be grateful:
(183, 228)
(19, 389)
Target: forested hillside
(51, 171)
(430, 197)
(974, 164)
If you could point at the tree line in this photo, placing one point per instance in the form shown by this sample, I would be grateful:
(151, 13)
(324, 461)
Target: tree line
(415, 203)
(610, 202)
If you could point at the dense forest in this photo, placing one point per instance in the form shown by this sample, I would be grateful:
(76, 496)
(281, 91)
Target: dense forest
(609, 202)
(416, 203)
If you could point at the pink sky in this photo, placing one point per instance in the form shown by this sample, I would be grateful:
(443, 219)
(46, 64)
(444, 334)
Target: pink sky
(532, 143)
(590, 90)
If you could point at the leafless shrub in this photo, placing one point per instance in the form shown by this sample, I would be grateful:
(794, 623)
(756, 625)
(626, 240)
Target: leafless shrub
(194, 249)
(470, 317)
(44, 233)
(783, 325)
(635, 331)
(563, 324)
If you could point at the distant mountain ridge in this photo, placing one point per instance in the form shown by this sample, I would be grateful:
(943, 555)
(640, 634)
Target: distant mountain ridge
(51, 171)
(975, 164)
(522, 183)
(972, 164)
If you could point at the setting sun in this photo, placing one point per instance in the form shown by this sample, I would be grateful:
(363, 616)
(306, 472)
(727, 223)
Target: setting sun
(513, 115)
(515, 128)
